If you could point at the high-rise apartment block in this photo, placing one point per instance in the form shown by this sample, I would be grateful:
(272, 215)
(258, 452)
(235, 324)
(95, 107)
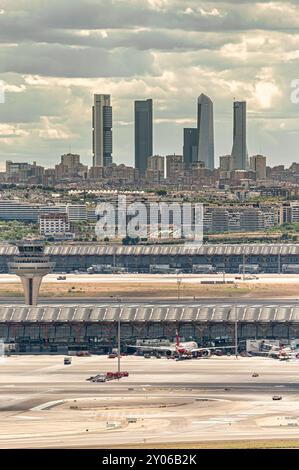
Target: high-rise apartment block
(155, 169)
(258, 164)
(174, 166)
(70, 167)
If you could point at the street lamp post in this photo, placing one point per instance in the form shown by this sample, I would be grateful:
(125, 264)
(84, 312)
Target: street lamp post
(236, 333)
(118, 338)
(117, 299)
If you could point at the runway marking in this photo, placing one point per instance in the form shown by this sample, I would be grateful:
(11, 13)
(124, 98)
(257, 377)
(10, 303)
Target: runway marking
(47, 405)
(29, 417)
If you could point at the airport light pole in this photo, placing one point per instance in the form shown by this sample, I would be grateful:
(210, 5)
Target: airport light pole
(118, 337)
(236, 332)
(117, 299)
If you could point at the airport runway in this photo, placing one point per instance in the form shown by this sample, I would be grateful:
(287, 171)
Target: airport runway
(46, 404)
(148, 288)
(82, 278)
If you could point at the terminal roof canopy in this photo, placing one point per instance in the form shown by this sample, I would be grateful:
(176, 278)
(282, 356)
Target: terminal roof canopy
(150, 313)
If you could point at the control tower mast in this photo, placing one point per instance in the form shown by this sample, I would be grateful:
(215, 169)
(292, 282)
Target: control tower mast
(31, 265)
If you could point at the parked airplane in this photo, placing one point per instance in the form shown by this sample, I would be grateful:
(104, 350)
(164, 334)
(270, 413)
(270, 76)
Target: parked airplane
(283, 353)
(182, 348)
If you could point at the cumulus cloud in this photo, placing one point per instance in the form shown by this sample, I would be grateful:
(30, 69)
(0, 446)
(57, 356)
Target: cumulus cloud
(55, 55)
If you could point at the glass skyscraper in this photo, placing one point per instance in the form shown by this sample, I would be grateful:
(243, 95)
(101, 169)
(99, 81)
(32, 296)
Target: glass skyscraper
(239, 150)
(190, 146)
(143, 133)
(205, 128)
(102, 130)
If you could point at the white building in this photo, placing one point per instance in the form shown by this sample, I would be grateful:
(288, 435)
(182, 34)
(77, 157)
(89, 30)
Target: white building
(17, 210)
(53, 223)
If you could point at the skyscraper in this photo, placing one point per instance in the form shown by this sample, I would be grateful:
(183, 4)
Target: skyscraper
(143, 133)
(102, 130)
(239, 150)
(190, 146)
(205, 128)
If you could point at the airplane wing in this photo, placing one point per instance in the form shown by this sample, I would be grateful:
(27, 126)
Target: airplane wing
(152, 348)
(212, 348)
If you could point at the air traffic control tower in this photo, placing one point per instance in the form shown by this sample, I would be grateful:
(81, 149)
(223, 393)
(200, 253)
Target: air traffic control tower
(31, 265)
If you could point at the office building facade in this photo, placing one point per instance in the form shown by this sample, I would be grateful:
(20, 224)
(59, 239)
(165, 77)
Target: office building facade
(239, 150)
(258, 165)
(155, 172)
(205, 130)
(174, 166)
(190, 146)
(143, 112)
(102, 130)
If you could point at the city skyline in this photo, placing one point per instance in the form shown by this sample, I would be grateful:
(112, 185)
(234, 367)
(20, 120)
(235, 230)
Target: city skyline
(169, 51)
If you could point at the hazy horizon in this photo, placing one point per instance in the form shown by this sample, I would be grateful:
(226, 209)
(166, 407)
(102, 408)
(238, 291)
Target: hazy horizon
(54, 56)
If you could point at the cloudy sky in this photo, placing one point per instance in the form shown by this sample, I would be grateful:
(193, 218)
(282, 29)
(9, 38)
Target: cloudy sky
(55, 54)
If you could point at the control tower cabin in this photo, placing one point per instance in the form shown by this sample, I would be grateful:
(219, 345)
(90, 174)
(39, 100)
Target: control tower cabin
(31, 265)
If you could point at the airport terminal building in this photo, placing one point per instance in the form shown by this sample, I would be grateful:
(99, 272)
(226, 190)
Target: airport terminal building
(64, 328)
(267, 258)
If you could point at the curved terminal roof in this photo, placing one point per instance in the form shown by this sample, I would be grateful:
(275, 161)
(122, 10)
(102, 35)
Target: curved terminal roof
(265, 249)
(149, 313)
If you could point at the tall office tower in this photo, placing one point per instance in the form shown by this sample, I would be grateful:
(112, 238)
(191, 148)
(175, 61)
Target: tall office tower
(102, 130)
(190, 146)
(143, 133)
(258, 164)
(239, 150)
(205, 128)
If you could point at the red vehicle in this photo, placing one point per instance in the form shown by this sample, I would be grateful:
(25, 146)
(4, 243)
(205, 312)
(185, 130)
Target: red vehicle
(110, 374)
(122, 374)
(116, 375)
